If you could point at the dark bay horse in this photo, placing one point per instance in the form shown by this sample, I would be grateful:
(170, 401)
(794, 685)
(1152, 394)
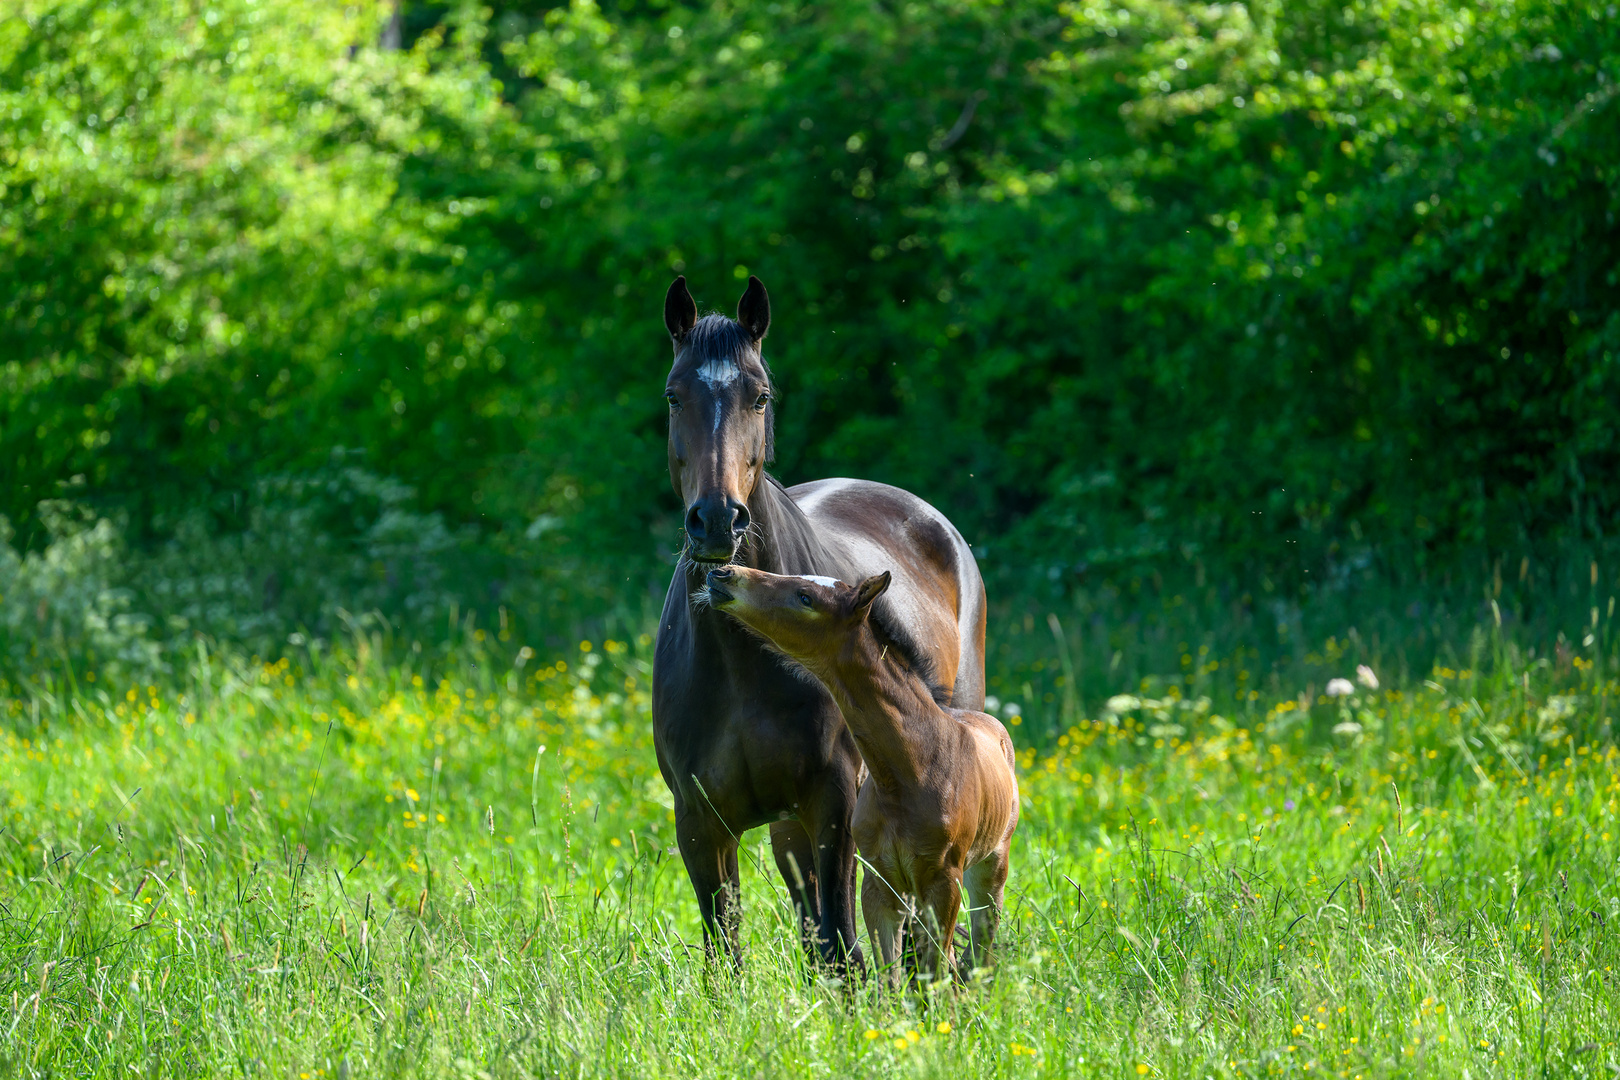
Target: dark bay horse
(745, 738)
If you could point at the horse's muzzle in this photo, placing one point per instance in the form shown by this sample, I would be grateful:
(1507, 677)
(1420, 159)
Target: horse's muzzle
(718, 555)
(715, 525)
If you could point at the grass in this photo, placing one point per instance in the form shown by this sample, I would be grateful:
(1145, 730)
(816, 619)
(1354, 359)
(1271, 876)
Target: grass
(352, 866)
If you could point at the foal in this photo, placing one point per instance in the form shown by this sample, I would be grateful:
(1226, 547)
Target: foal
(940, 802)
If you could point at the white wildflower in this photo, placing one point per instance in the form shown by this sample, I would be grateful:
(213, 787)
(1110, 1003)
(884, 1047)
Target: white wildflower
(1340, 688)
(1365, 676)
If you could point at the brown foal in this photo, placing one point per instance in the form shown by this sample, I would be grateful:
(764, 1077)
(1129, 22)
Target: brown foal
(937, 810)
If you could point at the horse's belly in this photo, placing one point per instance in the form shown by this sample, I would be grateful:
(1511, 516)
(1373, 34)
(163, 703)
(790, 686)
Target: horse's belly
(751, 765)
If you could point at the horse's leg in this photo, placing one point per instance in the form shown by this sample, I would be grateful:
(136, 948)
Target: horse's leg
(710, 855)
(881, 910)
(796, 862)
(835, 850)
(984, 882)
(827, 815)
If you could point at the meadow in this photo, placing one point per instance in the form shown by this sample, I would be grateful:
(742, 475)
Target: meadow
(1248, 344)
(369, 860)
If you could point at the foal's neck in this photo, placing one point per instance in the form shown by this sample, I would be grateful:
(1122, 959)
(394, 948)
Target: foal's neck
(887, 705)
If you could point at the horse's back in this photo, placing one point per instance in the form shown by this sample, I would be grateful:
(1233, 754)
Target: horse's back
(937, 592)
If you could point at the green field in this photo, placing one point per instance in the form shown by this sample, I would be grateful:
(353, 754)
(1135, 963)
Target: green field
(336, 867)
(1245, 343)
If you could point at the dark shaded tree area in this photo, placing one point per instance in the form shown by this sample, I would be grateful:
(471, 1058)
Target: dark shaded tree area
(1287, 289)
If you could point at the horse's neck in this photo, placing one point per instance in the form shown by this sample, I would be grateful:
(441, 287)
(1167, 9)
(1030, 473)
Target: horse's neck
(784, 540)
(889, 710)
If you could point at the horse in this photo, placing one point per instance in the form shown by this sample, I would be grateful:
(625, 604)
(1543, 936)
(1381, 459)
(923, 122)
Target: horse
(939, 804)
(743, 739)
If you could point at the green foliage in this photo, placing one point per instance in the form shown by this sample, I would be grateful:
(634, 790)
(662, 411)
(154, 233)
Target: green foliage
(1296, 291)
(215, 257)
(1344, 279)
(65, 603)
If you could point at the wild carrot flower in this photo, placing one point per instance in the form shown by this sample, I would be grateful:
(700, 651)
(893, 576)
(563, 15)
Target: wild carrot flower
(1340, 688)
(1365, 676)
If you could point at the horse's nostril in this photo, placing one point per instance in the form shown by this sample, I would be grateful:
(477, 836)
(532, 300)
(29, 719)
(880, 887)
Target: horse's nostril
(740, 522)
(722, 574)
(694, 524)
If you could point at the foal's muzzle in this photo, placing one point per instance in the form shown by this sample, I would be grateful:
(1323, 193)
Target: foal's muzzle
(717, 580)
(715, 525)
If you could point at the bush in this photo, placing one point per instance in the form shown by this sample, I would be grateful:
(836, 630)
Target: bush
(1289, 290)
(319, 551)
(65, 610)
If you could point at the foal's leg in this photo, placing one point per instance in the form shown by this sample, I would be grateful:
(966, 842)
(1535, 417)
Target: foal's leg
(984, 881)
(711, 865)
(941, 901)
(881, 909)
(796, 861)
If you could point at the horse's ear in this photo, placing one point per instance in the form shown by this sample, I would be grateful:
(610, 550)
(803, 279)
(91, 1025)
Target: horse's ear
(680, 310)
(754, 310)
(870, 589)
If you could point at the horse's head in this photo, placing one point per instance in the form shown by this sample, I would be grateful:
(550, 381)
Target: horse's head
(720, 418)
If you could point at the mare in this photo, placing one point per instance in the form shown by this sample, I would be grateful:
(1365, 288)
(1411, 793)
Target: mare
(938, 808)
(743, 737)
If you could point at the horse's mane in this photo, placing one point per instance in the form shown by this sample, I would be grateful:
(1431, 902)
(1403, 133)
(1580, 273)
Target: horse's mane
(892, 633)
(716, 336)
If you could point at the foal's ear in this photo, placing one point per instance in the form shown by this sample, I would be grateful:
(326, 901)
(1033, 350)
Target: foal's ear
(754, 310)
(870, 589)
(680, 310)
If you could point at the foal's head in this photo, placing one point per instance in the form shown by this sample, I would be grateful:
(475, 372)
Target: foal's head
(720, 418)
(808, 618)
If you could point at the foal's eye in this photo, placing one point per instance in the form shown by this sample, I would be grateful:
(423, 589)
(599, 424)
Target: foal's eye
(804, 598)
(764, 400)
(674, 402)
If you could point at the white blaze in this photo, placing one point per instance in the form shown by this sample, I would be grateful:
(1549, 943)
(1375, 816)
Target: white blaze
(718, 373)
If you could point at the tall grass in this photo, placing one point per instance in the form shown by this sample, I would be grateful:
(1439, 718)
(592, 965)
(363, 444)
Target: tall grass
(370, 862)
(1062, 649)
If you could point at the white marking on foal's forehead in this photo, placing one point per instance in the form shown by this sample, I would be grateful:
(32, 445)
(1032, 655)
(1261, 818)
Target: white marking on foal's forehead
(825, 582)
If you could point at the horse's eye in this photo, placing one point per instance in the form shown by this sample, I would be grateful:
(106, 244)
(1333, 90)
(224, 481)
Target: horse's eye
(804, 598)
(674, 402)
(764, 400)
